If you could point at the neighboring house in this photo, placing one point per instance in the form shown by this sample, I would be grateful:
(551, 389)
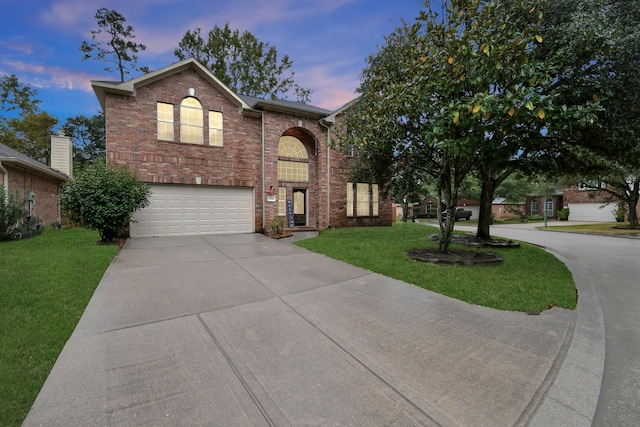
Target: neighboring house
(500, 209)
(219, 162)
(584, 203)
(536, 205)
(36, 181)
(429, 207)
(588, 204)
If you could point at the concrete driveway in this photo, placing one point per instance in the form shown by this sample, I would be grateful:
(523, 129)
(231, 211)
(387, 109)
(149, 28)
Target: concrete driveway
(246, 330)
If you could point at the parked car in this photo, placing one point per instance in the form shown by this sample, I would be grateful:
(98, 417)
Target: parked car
(461, 213)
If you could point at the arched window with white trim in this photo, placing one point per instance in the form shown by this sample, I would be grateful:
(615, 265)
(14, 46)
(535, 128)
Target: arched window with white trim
(191, 121)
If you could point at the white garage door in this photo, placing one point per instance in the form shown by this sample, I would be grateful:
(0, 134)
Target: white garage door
(591, 212)
(194, 210)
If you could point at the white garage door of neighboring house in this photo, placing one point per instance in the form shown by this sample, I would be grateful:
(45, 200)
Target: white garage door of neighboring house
(591, 212)
(194, 210)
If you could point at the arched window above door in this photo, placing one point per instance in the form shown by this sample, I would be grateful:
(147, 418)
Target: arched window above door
(293, 160)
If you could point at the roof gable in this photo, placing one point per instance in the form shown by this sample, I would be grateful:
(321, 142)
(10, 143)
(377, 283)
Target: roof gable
(101, 88)
(248, 104)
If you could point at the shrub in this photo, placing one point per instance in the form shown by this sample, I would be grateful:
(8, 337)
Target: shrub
(277, 225)
(12, 210)
(104, 198)
(563, 214)
(620, 212)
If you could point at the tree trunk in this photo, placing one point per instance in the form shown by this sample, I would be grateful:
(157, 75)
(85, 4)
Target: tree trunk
(487, 191)
(490, 179)
(633, 208)
(405, 211)
(446, 224)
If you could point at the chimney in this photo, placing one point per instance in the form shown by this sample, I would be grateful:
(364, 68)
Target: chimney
(62, 153)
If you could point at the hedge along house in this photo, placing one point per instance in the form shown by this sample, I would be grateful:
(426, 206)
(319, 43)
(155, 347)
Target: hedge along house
(219, 162)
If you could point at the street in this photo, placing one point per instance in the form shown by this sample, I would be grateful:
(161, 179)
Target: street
(612, 265)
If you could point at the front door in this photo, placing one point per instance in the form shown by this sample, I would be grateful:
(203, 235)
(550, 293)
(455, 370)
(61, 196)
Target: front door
(300, 207)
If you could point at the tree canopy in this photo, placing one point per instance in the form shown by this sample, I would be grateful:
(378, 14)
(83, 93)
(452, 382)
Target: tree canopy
(113, 43)
(23, 126)
(596, 48)
(245, 64)
(89, 139)
(457, 95)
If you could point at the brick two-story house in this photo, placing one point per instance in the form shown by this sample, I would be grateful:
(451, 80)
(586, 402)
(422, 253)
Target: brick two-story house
(219, 162)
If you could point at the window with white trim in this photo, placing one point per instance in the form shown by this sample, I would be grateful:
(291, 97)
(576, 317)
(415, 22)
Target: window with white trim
(293, 160)
(590, 184)
(548, 207)
(534, 207)
(191, 121)
(282, 201)
(362, 199)
(215, 128)
(165, 121)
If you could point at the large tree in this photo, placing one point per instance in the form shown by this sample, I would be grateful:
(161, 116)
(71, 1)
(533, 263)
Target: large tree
(402, 119)
(88, 136)
(23, 126)
(242, 62)
(113, 42)
(460, 94)
(596, 45)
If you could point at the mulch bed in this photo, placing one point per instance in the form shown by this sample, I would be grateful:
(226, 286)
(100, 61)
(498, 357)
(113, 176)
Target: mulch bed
(434, 256)
(470, 240)
(279, 236)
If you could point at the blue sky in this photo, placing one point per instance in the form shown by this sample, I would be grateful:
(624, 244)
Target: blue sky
(327, 40)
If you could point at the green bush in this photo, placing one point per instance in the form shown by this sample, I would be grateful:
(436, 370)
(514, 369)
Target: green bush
(277, 225)
(104, 199)
(12, 210)
(620, 212)
(563, 214)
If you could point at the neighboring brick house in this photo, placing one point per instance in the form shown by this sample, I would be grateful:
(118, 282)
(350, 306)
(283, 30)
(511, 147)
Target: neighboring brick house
(537, 205)
(34, 180)
(219, 162)
(429, 207)
(587, 204)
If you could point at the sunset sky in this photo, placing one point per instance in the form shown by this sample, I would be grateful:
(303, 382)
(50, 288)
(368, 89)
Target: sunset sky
(327, 40)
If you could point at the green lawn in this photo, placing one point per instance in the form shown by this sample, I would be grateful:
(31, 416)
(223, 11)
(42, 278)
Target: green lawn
(597, 228)
(45, 285)
(528, 280)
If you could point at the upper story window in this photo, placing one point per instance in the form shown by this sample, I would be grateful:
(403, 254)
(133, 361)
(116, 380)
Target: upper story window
(215, 128)
(293, 160)
(191, 121)
(165, 121)
(590, 184)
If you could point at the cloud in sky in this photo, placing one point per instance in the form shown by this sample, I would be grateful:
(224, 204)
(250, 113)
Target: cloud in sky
(43, 76)
(327, 40)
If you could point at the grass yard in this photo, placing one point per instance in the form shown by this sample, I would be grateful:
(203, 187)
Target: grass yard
(529, 279)
(45, 285)
(597, 228)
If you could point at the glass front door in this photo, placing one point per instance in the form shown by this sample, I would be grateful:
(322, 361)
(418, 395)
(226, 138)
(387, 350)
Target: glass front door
(300, 207)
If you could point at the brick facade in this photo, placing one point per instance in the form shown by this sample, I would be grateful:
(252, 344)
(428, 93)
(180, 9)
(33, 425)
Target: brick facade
(20, 173)
(576, 195)
(46, 192)
(251, 136)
